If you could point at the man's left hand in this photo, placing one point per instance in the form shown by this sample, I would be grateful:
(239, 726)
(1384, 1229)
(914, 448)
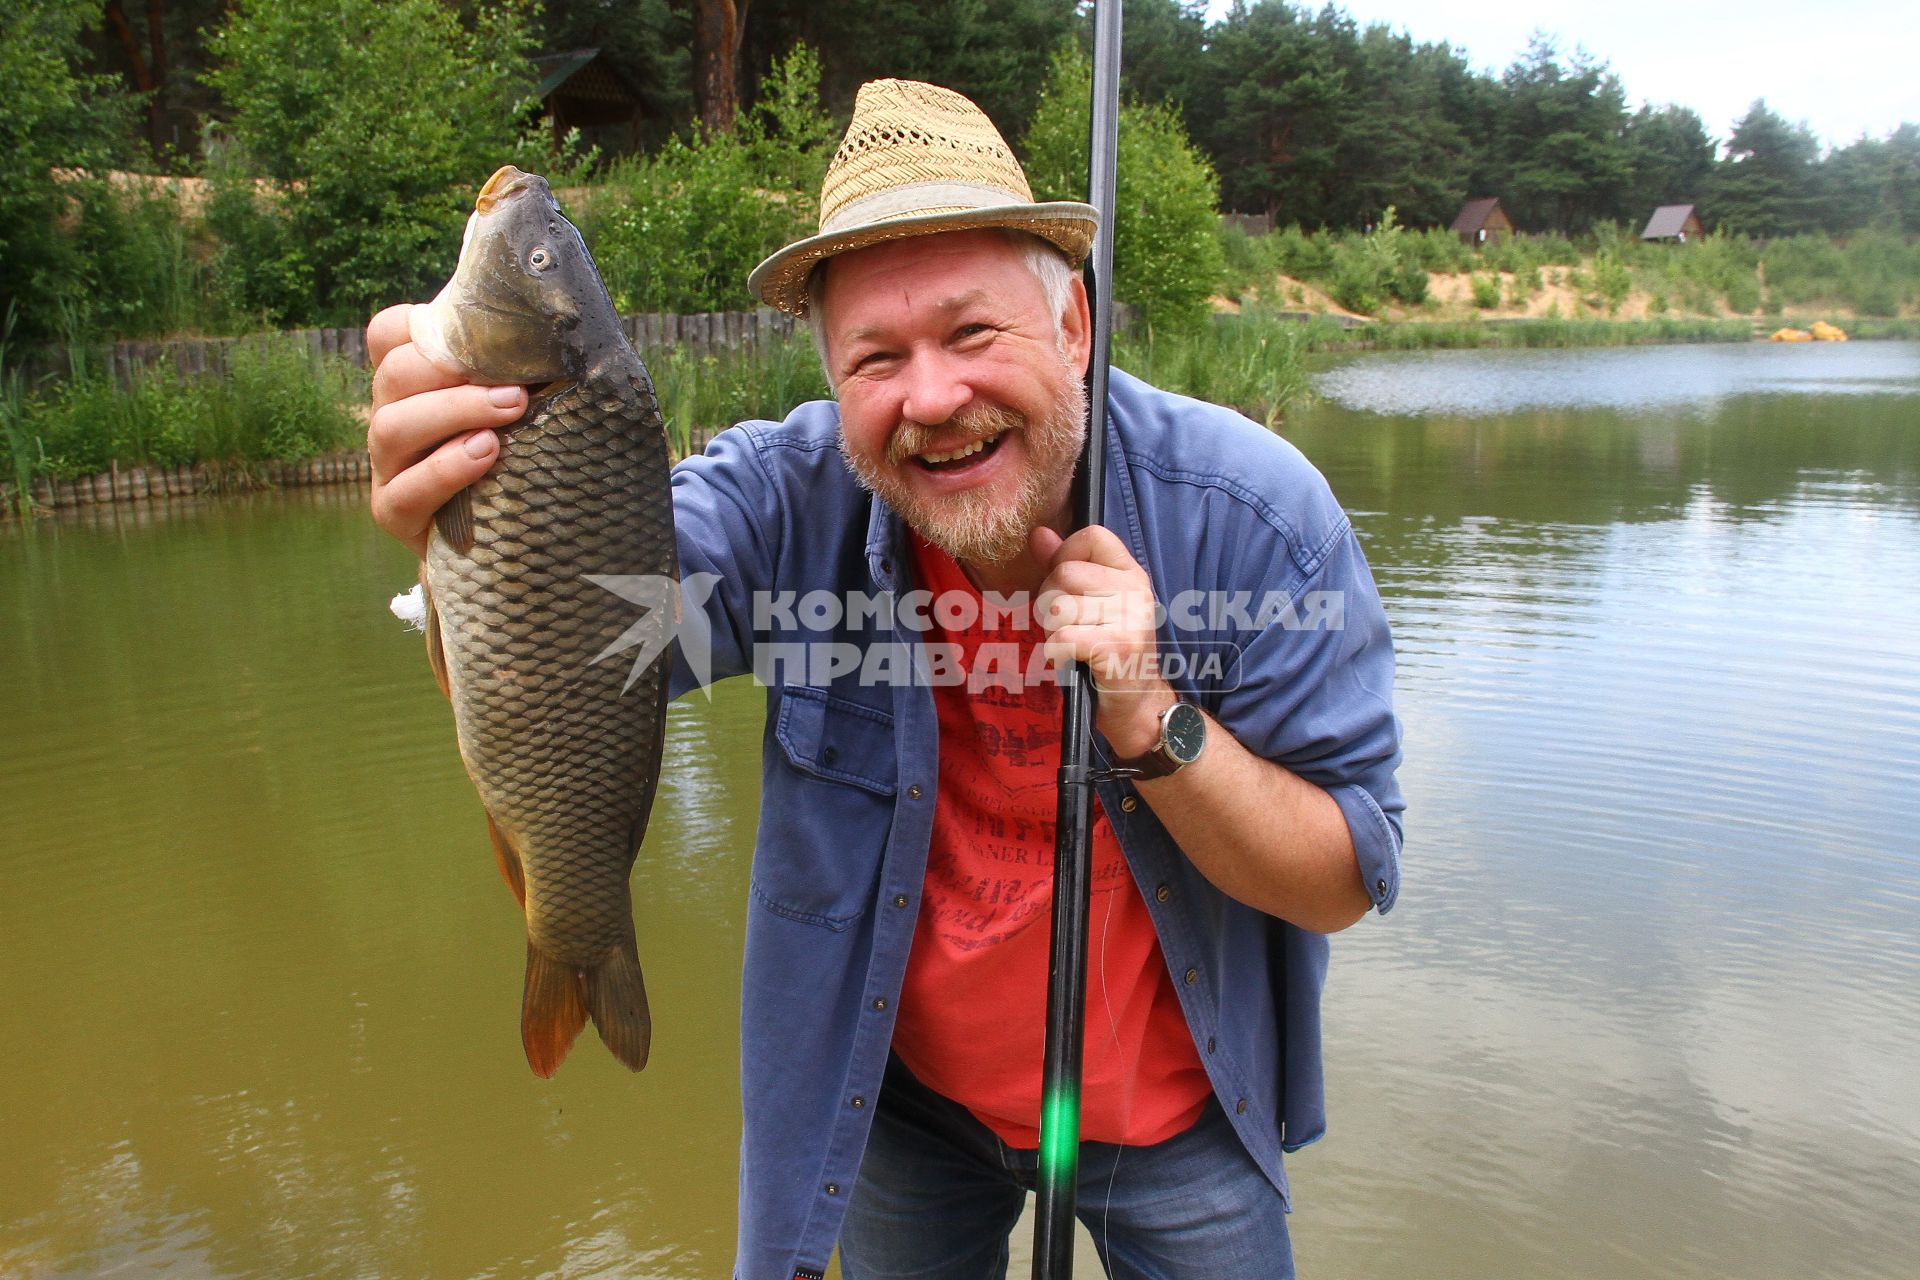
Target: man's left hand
(1097, 607)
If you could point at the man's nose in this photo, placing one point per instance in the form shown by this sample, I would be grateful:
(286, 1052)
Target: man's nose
(935, 388)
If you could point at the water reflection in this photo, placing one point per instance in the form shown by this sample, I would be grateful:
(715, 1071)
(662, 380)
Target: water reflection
(1647, 1008)
(1663, 893)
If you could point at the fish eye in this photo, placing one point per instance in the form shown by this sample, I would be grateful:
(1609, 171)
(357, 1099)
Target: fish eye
(540, 259)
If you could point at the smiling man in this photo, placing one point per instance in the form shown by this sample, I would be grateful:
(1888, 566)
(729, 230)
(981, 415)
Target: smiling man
(895, 970)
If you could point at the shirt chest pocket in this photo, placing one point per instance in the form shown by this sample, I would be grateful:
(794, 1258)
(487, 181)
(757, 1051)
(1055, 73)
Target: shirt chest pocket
(826, 809)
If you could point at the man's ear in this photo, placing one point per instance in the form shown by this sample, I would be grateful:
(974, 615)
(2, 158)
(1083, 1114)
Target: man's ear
(1076, 326)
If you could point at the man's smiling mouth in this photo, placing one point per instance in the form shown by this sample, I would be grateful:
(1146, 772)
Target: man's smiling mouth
(960, 457)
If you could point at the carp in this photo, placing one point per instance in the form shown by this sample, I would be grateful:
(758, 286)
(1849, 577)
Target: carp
(563, 748)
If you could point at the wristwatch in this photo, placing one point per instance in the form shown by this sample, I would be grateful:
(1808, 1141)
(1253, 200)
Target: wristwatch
(1183, 735)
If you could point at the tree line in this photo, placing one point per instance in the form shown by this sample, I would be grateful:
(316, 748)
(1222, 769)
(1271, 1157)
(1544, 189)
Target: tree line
(339, 139)
(1307, 115)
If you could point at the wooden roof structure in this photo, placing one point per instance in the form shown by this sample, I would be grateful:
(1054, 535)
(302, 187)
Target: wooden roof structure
(1673, 222)
(1481, 220)
(582, 89)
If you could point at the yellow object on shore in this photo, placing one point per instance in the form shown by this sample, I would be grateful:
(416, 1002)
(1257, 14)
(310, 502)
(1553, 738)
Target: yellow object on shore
(1824, 332)
(1790, 335)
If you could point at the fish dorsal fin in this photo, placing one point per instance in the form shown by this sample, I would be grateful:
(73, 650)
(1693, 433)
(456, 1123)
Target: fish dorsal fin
(455, 521)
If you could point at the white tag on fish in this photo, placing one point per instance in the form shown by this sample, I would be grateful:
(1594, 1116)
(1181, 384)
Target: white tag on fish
(411, 607)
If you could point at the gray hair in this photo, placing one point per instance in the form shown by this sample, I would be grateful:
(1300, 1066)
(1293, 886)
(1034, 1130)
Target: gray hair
(1044, 261)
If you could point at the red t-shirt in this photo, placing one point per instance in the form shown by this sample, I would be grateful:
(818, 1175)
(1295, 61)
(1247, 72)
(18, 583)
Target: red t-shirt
(972, 1020)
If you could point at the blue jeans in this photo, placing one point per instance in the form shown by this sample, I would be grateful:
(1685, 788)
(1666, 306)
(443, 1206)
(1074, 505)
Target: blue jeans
(938, 1195)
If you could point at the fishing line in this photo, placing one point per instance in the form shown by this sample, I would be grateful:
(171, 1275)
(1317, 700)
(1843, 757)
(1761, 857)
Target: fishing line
(1126, 1108)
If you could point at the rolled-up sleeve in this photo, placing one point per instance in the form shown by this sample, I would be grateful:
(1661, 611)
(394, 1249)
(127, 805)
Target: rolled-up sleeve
(1315, 694)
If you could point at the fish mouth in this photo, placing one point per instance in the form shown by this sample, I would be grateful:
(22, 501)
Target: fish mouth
(506, 182)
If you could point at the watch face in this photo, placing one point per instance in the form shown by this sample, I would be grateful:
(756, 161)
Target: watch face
(1186, 732)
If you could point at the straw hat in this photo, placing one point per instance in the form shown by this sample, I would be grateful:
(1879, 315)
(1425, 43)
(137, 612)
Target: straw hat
(917, 159)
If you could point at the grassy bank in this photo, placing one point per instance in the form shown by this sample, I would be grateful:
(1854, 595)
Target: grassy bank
(1546, 332)
(276, 403)
(279, 404)
(1396, 273)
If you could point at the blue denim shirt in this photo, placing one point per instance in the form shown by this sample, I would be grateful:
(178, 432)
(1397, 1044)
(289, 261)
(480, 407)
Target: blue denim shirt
(1208, 502)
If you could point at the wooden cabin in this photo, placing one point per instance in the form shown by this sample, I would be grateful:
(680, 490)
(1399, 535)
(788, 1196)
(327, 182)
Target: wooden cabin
(1674, 222)
(1483, 220)
(584, 90)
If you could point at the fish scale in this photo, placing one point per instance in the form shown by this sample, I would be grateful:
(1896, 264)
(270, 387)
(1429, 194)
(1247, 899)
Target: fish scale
(563, 747)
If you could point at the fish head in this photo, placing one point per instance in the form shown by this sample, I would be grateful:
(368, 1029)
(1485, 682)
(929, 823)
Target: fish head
(526, 303)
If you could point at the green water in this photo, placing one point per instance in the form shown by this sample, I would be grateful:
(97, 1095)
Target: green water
(1649, 1006)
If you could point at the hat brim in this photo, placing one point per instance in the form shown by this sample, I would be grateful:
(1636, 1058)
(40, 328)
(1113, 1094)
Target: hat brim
(781, 281)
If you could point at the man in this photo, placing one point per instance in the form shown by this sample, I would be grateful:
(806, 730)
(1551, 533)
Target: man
(896, 946)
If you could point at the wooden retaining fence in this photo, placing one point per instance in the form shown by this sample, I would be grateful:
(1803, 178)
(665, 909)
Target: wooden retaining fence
(710, 331)
(138, 484)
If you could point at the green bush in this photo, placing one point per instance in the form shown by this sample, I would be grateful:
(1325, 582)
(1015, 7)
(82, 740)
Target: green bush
(274, 403)
(1167, 257)
(1742, 293)
(1438, 249)
(144, 267)
(1803, 269)
(374, 122)
(1610, 280)
(1486, 292)
(1882, 272)
(1355, 284)
(50, 118)
(680, 229)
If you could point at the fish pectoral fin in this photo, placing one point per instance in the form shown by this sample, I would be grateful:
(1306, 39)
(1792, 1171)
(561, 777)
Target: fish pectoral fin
(436, 647)
(455, 521)
(553, 1008)
(617, 998)
(511, 868)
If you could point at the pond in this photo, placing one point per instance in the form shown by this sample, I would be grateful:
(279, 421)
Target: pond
(1648, 1007)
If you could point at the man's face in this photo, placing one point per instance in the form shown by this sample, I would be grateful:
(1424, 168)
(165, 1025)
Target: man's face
(961, 401)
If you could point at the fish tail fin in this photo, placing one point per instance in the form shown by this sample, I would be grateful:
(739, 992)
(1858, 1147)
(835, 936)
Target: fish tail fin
(617, 998)
(552, 1011)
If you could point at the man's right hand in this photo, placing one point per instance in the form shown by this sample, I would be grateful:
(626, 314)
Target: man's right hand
(431, 433)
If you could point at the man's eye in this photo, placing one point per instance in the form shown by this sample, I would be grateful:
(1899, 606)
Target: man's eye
(973, 330)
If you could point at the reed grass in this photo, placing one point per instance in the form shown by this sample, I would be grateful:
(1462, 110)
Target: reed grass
(701, 393)
(274, 403)
(1252, 362)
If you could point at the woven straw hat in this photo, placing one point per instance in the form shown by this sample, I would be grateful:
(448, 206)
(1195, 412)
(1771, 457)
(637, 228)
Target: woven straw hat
(917, 159)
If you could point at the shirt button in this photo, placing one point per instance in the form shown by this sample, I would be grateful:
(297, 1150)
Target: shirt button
(833, 1188)
(1240, 1107)
(1162, 894)
(1129, 803)
(1381, 885)
(829, 755)
(1192, 976)
(857, 1103)
(879, 1003)
(913, 792)
(899, 899)
(1209, 1044)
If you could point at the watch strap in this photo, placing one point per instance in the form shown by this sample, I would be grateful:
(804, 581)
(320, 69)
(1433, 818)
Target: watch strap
(1159, 761)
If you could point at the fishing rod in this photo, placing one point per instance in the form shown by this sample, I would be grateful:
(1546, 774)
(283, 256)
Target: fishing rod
(1059, 1160)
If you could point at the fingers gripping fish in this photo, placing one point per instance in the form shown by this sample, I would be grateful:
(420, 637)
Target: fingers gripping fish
(564, 750)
